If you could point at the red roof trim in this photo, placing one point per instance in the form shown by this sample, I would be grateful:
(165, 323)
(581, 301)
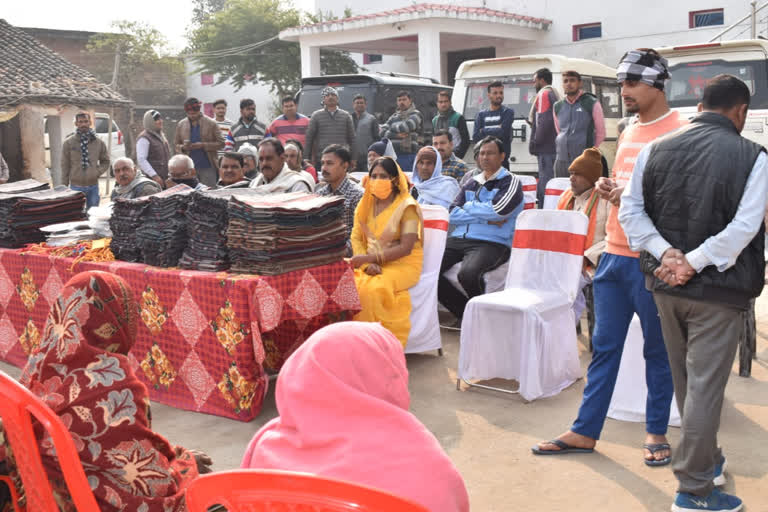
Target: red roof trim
(419, 8)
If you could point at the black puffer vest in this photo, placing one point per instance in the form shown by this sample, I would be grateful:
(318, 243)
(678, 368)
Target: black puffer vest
(692, 186)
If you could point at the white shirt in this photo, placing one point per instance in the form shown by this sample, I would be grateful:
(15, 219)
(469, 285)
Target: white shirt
(721, 249)
(142, 152)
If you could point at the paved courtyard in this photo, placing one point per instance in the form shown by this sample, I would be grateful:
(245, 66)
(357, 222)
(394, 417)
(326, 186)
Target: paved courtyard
(489, 435)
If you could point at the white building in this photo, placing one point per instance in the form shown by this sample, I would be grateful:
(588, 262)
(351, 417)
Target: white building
(433, 39)
(203, 87)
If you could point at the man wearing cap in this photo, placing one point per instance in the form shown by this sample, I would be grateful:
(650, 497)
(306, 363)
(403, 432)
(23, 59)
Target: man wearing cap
(329, 125)
(152, 149)
(199, 137)
(619, 285)
(250, 160)
(694, 207)
(583, 197)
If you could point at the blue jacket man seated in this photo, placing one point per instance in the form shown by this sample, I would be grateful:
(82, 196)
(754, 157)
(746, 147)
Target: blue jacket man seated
(483, 218)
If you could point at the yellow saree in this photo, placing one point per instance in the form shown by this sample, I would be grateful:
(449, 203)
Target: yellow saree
(384, 297)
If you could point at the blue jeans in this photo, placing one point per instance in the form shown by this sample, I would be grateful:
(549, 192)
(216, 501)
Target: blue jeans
(91, 194)
(619, 289)
(546, 173)
(405, 161)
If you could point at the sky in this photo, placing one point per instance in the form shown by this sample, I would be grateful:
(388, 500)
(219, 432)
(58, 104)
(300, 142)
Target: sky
(171, 17)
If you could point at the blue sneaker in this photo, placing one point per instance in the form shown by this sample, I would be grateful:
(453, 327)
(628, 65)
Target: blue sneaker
(720, 467)
(716, 501)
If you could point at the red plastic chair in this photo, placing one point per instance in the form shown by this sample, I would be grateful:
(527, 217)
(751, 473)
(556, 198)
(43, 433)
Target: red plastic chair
(256, 490)
(17, 407)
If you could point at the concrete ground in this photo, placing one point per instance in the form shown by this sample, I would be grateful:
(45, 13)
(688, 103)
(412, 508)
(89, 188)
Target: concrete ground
(489, 435)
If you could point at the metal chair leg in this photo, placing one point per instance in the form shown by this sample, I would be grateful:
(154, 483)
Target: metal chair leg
(483, 386)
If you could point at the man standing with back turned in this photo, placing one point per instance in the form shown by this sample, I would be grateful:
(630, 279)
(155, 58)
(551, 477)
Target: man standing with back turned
(618, 284)
(695, 207)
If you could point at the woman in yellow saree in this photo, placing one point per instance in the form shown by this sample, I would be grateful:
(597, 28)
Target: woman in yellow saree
(387, 244)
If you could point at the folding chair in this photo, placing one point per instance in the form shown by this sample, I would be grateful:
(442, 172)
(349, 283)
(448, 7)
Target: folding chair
(425, 325)
(555, 188)
(17, 408)
(527, 331)
(248, 490)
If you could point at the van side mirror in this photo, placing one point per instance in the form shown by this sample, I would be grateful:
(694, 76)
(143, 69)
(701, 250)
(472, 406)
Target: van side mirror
(520, 133)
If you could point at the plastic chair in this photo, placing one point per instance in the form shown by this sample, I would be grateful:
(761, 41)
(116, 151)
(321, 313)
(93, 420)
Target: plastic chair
(529, 190)
(17, 408)
(251, 490)
(527, 331)
(555, 188)
(425, 324)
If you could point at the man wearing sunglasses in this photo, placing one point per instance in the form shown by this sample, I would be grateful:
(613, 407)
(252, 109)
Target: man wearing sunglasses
(199, 137)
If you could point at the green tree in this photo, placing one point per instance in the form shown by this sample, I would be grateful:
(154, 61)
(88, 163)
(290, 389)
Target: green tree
(140, 46)
(226, 42)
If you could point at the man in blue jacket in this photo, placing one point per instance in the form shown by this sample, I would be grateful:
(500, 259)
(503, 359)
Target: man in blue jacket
(496, 121)
(483, 217)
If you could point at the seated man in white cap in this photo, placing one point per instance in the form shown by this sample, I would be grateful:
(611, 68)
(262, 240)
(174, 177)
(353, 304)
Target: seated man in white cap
(250, 159)
(276, 177)
(130, 183)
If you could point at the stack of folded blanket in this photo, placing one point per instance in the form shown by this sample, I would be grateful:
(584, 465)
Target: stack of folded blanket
(125, 221)
(162, 233)
(19, 187)
(279, 233)
(22, 214)
(207, 220)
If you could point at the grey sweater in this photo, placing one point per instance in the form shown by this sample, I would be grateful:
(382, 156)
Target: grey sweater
(326, 129)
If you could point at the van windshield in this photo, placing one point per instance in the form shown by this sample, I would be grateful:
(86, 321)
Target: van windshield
(686, 86)
(311, 99)
(519, 93)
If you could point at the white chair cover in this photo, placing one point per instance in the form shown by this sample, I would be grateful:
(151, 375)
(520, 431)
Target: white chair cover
(628, 401)
(529, 190)
(425, 325)
(527, 331)
(555, 188)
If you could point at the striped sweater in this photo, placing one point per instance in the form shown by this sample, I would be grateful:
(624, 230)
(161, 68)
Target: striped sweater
(632, 140)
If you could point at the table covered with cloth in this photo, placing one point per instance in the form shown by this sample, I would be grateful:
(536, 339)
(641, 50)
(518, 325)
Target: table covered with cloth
(205, 340)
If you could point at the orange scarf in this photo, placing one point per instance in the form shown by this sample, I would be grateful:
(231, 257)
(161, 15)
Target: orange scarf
(567, 202)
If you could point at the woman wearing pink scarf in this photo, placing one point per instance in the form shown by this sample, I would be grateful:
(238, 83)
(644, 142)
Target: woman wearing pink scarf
(343, 401)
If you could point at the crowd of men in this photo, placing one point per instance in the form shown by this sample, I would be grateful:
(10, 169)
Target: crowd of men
(675, 234)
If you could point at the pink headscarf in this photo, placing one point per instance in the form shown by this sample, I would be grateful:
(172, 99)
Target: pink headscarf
(343, 402)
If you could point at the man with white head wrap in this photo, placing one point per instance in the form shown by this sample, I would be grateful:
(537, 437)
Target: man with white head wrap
(619, 284)
(251, 158)
(329, 125)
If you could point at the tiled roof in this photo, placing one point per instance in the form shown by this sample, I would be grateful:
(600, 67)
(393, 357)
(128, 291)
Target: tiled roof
(33, 73)
(443, 10)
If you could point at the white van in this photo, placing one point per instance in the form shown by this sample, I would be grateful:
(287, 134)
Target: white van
(516, 73)
(691, 66)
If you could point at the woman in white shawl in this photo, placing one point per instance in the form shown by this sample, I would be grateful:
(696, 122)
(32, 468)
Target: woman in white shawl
(429, 184)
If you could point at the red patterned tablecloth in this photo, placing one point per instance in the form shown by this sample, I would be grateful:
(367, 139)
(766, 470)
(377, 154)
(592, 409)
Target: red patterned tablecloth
(204, 338)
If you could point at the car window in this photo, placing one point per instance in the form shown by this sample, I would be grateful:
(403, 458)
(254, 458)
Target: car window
(519, 93)
(610, 98)
(101, 125)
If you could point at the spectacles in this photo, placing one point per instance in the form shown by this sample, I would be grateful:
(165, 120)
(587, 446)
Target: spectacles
(192, 108)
